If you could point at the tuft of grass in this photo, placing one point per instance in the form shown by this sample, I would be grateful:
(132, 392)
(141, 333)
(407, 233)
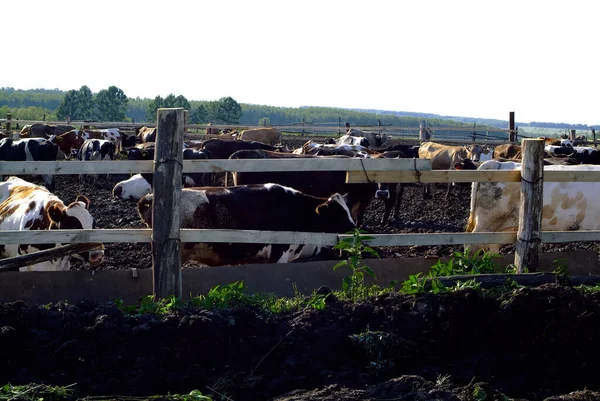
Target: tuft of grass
(35, 392)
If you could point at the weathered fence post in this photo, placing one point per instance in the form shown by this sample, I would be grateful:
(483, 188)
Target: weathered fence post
(530, 213)
(573, 135)
(511, 127)
(8, 119)
(166, 243)
(594, 135)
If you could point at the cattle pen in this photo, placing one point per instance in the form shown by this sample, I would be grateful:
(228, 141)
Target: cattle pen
(168, 166)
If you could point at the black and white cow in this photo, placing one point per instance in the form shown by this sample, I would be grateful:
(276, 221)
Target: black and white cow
(26, 206)
(315, 183)
(97, 150)
(141, 184)
(31, 149)
(269, 207)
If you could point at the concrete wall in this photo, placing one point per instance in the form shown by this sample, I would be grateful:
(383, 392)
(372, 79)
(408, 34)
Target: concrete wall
(45, 287)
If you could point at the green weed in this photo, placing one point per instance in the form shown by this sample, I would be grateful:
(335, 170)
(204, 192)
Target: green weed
(353, 286)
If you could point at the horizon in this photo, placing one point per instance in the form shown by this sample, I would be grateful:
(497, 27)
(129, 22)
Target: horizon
(462, 58)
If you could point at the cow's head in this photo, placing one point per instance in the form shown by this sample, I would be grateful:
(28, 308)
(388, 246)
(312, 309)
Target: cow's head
(337, 205)
(75, 216)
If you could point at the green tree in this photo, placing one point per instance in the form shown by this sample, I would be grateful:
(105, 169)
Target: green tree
(111, 104)
(156, 104)
(85, 103)
(199, 115)
(225, 111)
(68, 106)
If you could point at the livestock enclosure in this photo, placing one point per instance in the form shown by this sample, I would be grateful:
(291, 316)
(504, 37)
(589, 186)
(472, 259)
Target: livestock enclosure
(169, 166)
(463, 343)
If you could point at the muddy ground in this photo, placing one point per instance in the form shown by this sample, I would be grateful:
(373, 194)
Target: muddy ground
(468, 345)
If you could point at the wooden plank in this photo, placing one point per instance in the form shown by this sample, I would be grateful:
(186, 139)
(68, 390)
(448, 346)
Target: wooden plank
(571, 176)
(208, 166)
(74, 236)
(282, 237)
(527, 247)
(166, 244)
(14, 263)
(77, 167)
(429, 239)
(432, 176)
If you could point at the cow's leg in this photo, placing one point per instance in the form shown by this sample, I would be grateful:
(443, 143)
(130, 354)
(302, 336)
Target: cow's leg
(389, 202)
(426, 191)
(448, 191)
(399, 192)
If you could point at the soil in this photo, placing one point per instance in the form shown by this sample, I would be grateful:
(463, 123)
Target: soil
(529, 343)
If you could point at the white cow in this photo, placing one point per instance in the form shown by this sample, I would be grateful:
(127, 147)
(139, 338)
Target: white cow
(133, 188)
(566, 205)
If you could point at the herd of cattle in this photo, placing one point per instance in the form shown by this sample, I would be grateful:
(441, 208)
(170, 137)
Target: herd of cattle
(294, 201)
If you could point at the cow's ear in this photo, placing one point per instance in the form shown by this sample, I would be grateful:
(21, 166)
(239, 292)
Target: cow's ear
(84, 199)
(56, 212)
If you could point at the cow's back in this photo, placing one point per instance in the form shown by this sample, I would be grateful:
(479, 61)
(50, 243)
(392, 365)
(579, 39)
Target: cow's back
(269, 136)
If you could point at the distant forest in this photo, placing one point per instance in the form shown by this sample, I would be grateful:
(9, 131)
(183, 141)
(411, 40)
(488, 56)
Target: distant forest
(112, 104)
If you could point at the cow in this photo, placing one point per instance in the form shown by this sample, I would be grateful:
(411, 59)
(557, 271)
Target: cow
(567, 206)
(97, 150)
(223, 149)
(508, 151)
(269, 207)
(376, 140)
(407, 150)
(315, 148)
(72, 140)
(30, 149)
(146, 134)
(26, 206)
(269, 136)
(353, 140)
(133, 188)
(391, 193)
(444, 157)
(211, 130)
(315, 183)
(40, 130)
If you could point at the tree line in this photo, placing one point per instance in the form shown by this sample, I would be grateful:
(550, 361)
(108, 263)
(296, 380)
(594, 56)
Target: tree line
(112, 104)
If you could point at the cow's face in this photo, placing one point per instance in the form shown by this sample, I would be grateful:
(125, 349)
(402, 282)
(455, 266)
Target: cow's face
(75, 216)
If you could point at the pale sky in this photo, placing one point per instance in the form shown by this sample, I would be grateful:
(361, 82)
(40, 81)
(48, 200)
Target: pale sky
(450, 57)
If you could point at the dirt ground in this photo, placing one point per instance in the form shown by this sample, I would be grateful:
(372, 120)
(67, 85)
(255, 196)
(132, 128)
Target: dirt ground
(525, 344)
(468, 345)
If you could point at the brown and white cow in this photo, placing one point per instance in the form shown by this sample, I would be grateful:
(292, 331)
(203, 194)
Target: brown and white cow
(508, 151)
(444, 157)
(268, 207)
(26, 206)
(269, 136)
(315, 183)
(146, 134)
(567, 206)
(72, 140)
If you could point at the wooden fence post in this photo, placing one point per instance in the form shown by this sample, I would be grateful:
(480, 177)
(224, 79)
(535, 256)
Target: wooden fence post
(168, 165)
(511, 127)
(8, 119)
(530, 214)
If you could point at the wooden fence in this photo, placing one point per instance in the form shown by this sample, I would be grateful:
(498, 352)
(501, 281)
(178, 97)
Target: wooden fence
(168, 166)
